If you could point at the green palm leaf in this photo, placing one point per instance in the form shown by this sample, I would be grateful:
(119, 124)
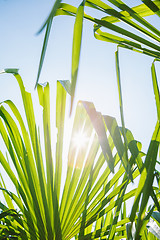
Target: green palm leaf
(90, 199)
(141, 36)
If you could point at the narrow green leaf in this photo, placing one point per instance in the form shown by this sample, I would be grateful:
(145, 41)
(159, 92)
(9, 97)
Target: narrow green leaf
(126, 33)
(98, 124)
(150, 4)
(119, 15)
(153, 227)
(44, 99)
(142, 10)
(125, 43)
(10, 70)
(7, 198)
(34, 181)
(115, 219)
(156, 89)
(116, 135)
(146, 179)
(122, 114)
(156, 216)
(82, 127)
(67, 85)
(129, 233)
(10, 212)
(76, 48)
(60, 116)
(128, 44)
(44, 48)
(120, 4)
(47, 24)
(51, 15)
(79, 119)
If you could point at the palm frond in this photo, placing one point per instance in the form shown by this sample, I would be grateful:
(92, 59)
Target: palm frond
(88, 203)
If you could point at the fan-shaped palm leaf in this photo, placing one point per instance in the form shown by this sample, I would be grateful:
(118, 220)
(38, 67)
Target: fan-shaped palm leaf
(88, 203)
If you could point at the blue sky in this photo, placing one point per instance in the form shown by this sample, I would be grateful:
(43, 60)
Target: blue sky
(20, 48)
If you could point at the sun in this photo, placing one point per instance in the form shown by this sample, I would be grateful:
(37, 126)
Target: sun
(80, 139)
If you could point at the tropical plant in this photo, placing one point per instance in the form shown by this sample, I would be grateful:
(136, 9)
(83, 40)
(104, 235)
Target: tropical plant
(126, 27)
(91, 203)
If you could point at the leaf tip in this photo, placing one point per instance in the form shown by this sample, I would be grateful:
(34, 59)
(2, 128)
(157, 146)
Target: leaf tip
(10, 70)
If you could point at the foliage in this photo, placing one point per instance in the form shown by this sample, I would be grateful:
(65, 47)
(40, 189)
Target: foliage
(47, 214)
(134, 33)
(92, 201)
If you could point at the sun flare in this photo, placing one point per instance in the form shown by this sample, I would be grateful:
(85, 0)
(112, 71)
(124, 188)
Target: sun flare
(80, 139)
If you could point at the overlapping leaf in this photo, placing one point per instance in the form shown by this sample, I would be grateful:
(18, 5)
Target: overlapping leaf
(87, 204)
(141, 36)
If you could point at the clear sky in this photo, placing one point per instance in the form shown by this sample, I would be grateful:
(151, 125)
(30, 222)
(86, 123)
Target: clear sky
(20, 47)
